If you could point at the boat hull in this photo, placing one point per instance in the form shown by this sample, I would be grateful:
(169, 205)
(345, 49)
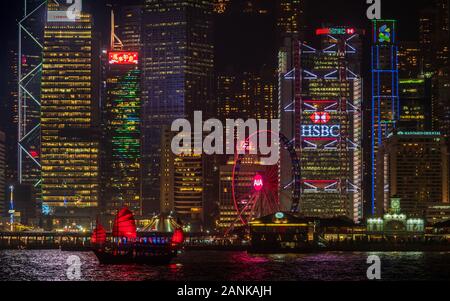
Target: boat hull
(161, 256)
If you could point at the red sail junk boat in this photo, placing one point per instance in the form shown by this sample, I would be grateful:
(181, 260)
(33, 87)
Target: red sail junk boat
(129, 246)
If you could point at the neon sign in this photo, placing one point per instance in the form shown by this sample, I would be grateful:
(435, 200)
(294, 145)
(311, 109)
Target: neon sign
(34, 154)
(321, 131)
(419, 133)
(384, 34)
(279, 215)
(258, 183)
(335, 31)
(384, 31)
(123, 58)
(320, 117)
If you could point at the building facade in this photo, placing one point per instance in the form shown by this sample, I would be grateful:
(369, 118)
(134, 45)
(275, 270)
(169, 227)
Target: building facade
(228, 213)
(320, 109)
(122, 134)
(385, 95)
(434, 37)
(129, 26)
(2, 174)
(247, 95)
(409, 60)
(183, 188)
(177, 78)
(290, 17)
(69, 117)
(29, 73)
(413, 166)
(415, 103)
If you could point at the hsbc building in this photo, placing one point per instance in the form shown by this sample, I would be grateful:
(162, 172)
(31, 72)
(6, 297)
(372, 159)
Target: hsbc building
(320, 97)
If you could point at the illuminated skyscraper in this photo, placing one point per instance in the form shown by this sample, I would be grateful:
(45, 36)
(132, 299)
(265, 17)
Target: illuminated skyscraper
(29, 72)
(249, 7)
(69, 109)
(413, 166)
(409, 60)
(434, 36)
(183, 183)
(177, 77)
(426, 28)
(249, 167)
(434, 39)
(290, 14)
(129, 19)
(2, 174)
(385, 95)
(11, 113)
(122, 151)
(320, 110)
(30, 65)
(441, 102)
(415, 104)
(247, 95)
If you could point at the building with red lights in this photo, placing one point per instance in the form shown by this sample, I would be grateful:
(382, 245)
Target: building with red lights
(320, 110)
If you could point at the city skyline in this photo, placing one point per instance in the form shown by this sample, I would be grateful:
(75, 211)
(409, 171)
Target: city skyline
(225, 140)
(179, 68)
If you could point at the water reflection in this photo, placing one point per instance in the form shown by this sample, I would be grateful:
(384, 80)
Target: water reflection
(220, 266)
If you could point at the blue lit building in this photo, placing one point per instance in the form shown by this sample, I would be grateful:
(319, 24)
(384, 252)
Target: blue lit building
(385, 108)
(177, 78)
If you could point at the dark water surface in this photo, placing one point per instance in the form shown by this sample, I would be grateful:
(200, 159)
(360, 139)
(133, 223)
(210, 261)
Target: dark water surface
(213, 265)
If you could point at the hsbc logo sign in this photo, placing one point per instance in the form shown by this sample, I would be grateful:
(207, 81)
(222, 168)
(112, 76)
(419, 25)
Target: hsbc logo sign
(320, 117)
(319, 129)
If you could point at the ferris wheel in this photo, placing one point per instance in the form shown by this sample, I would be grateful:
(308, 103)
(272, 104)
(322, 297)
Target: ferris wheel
(256, 189)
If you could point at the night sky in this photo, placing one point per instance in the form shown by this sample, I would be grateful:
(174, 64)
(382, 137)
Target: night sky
(248, 43)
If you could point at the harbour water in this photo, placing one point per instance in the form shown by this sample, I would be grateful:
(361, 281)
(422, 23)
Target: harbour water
(51, 265)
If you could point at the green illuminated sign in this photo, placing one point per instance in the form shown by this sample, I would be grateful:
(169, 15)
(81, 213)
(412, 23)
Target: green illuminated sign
(412, 81)
(279, 215)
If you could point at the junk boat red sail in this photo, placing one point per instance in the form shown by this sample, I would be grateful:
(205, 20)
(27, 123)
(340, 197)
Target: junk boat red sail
(129, 246)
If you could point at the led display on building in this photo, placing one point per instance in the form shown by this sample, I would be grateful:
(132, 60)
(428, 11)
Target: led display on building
(123, 58)
(335, 31)
(121, 126)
